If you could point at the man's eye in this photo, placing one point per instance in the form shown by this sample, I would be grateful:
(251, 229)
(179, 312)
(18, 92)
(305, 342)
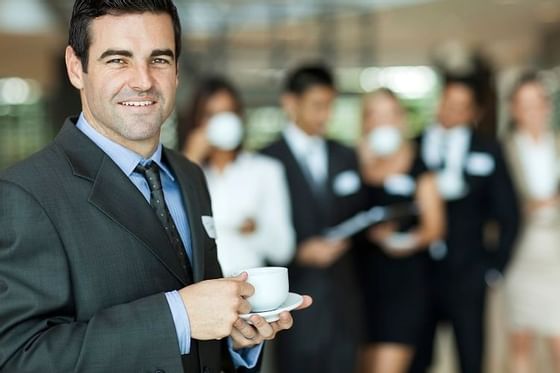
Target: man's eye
(116, 61)
(161, 61)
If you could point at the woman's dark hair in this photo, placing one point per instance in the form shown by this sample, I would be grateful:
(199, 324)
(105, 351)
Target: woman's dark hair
(87, 10)
(306, 77)
(193, 116)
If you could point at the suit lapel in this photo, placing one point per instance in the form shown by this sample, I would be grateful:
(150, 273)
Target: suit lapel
(191, 202)
(115, 195)
(334, 167)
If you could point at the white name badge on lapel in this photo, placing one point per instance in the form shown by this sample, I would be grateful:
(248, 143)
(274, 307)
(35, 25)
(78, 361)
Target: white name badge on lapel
(400, 185)
(480, 164)
(346, 183)
(209, 226)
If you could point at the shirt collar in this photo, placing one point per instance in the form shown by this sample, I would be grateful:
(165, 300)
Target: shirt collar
(299, 141)
(124, 158)
(441, 130)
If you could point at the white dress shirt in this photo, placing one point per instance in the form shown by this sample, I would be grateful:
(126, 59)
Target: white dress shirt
(253, 187)
(446, 150)
(448, 147)
(310, 152)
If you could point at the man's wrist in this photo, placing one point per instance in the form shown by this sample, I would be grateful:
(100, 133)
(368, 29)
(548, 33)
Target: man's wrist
(181, 320)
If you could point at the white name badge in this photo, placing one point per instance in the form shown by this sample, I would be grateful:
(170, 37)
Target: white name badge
(346, 183)
(480, 164)
(402, 185)
(209, 226)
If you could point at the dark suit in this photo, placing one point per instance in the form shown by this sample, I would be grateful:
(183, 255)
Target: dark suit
(324, 338)
(84, 264)
(458, 277)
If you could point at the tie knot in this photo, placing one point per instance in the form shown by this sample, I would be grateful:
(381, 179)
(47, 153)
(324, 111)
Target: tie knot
(151, 173)
(149, 167)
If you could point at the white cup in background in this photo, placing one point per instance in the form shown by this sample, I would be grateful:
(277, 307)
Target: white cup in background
(271, 287)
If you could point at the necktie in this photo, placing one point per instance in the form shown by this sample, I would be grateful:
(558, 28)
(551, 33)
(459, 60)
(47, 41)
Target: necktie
(157, 201)
(315, 177)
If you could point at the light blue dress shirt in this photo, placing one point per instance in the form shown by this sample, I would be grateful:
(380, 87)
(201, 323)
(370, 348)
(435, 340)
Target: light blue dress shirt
(127, 160)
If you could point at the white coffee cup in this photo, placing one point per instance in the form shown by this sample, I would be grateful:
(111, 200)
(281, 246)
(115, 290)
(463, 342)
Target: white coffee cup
(271, 287)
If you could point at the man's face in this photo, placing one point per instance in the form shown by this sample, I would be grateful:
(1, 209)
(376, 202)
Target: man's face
(457, 107)
(312, 109)
(129, 89)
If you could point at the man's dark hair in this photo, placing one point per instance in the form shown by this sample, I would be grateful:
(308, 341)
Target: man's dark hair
(86, 10)
(306, 77)
(470, 82)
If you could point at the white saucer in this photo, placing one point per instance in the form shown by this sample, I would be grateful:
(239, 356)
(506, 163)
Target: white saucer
(293, 301)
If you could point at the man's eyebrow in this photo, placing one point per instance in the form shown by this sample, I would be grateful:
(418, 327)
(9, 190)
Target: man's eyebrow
(162, 52)
(115, 52)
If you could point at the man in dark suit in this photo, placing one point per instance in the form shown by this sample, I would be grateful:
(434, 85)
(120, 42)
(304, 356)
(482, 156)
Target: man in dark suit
(474, 180)
(107, 252)
(324, 189)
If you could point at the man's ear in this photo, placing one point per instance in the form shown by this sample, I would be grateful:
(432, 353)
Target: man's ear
(74, 68)
(289, 104)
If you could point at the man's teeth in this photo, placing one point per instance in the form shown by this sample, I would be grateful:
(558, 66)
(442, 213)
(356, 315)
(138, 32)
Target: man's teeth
(138, 103)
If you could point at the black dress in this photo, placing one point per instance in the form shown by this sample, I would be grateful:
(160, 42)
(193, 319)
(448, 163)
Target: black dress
(395, 289)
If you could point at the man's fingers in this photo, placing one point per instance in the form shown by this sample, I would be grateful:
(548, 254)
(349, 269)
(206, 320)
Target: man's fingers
(248, 331)
(285, 321)
(264, 329)
(242, 277)
(240, 341)
(342, 245)
(244, 306)
(246, 289)
(307, 301)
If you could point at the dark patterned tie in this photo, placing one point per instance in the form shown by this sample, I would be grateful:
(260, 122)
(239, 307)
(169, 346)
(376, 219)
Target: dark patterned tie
(157, 201)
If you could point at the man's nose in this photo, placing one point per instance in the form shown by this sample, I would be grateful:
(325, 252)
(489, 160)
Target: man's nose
(141, 79)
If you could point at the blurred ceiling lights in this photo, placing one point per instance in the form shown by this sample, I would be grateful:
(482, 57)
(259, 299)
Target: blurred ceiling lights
(25, 16)
(410, 82)
(18, 91)
(211, 15)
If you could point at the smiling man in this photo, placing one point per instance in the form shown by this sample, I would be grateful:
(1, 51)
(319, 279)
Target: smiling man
(107, 256)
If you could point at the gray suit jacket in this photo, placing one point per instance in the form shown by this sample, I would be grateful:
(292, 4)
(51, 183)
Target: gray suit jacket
(84, 264)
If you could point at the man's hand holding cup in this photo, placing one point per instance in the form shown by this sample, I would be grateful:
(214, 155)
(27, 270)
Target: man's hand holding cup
(271, 287)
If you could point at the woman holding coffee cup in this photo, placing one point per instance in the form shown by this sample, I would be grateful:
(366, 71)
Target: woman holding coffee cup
(393, 260)
(248, 191)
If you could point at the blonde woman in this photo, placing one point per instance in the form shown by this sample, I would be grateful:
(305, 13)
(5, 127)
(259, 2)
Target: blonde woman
(533, 279)
(394, 262)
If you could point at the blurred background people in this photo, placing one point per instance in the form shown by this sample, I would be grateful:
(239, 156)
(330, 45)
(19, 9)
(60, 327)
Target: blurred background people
(398, 44)
(394, 262)
(248, 190)
(533, 279)
(475, 182)
(324, 189)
